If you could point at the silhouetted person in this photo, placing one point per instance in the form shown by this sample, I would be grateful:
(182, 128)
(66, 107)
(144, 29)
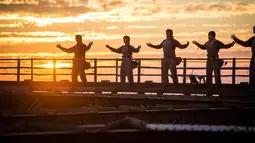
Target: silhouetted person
(126, 66)
(79, 51)
(249, 43)
(169, 45)
(213, 47)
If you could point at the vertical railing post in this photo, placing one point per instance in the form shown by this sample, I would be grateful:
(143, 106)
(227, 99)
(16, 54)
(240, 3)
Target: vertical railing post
(117, 70)
(54, 70)
(184, 70)
(95, 70)
(32, 69)
(139, 72)
(234, 71)
(162, 71)
(18, 70)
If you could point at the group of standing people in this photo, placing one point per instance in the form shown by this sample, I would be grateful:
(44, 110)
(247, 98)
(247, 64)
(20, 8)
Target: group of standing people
(212, 46)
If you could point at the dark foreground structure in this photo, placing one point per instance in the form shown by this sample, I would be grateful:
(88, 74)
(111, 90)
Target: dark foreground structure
(134, 135)
(34, 111)
(105, 112)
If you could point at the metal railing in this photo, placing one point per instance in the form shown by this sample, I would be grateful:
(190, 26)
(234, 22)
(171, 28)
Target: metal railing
(94, 62)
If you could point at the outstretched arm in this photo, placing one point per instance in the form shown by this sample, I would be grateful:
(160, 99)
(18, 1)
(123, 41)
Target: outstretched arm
(136, 50)
(199, 45)
(113, 49)
(155, 46)
(179, 45)
(67, 50)
(221, 45)
(247, 43)
(89, 46)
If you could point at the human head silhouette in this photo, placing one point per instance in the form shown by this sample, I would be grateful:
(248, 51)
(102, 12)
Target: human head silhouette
(78, 38)
(211, 35)
(126, 40)
(169, 33)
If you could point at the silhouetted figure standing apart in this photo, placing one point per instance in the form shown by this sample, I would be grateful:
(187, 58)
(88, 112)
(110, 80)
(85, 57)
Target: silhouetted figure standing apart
(169, 45)
(213, 47)
(79, 51)
(249, 43)
(126, 66)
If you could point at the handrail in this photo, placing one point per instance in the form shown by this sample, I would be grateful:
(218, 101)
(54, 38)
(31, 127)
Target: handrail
(116, 66)
(114, 59)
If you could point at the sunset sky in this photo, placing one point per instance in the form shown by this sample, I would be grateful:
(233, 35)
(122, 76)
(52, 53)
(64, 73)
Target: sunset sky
(36, 26)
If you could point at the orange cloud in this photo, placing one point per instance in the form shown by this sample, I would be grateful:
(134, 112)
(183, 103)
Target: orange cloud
(60, 20)
(112, 27)
(217, 25)
(34, 34)
(11, 25)
(96, 10)
(188, 34)
(50, 36)
(19, 1)
(142, 27)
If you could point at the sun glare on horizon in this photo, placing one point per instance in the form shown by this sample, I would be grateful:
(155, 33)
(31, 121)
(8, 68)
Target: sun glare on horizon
(58, 65)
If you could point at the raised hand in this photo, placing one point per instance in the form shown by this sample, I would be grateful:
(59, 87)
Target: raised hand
(139, 46)
(187, 42)
(107, 46)
(58, 46)
(233, 42)
(194, 42)
(233, 36)
(90, 43)
(149, 44)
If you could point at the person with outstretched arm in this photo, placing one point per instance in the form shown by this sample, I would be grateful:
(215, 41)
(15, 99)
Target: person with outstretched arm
(213, 46)
(249, 43)
(169, 45)
(126, 66)
(79, 50)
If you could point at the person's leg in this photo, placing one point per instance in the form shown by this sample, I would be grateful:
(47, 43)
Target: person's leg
(165, 71)
(122, 73)
(209, 72)
(252, 72)
(82, 73)
(217, 73)
(172, 65)
(129, 72)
